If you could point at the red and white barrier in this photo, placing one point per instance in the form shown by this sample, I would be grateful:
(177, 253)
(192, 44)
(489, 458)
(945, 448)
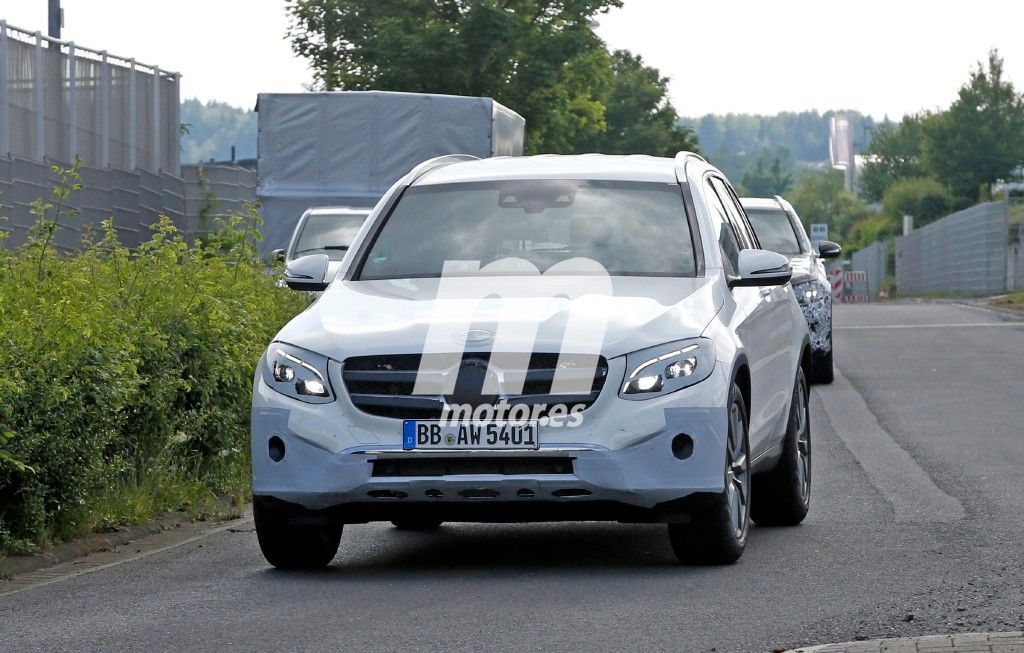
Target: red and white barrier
(837, 285)
(843, 280)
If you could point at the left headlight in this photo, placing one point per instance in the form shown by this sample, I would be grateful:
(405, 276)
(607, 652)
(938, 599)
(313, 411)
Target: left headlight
(297, 373)
(670, 367)
(809, 292)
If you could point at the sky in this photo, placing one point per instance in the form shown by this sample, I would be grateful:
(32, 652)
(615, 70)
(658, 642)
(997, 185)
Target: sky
(888, 57)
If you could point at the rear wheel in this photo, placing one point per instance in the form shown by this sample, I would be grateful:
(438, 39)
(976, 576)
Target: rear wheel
(414, 524)
(718, 534)
(782, 496)
(288, 546)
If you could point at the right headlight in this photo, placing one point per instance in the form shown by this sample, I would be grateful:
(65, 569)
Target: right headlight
(670, 367)
(297, 373)
(809, 292)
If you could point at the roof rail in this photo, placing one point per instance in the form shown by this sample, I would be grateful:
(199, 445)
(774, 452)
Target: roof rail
(681, 160)
(438, 162)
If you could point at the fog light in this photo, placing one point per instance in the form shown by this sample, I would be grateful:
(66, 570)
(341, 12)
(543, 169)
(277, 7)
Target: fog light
(682, 446)
(275, 449)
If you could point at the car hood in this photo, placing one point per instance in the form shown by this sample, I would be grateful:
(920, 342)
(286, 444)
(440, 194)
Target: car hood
(353, 318)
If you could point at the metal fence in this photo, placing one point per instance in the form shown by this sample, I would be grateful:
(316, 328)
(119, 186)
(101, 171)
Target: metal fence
(134, 199)
(60, 100)
(871, 260)
(963, 253)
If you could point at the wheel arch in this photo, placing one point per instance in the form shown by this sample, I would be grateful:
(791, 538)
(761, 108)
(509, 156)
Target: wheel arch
(741, 377)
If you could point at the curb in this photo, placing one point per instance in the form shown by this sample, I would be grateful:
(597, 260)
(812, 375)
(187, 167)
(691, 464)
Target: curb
(98, 542)
(1005, 642)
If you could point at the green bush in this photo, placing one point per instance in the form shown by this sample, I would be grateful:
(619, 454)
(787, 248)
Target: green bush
(127, 373)
(867, 230)
(925, 199)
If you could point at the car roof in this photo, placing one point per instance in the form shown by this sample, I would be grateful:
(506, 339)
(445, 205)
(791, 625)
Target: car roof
(632, 167)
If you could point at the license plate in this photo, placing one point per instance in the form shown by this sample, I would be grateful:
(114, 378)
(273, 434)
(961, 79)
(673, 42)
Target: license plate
(431, 434)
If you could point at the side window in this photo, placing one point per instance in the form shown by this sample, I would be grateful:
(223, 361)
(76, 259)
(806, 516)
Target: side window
(728, 241)
(744, 220)
(736, 217)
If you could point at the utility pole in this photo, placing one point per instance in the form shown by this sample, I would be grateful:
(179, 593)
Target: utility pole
(56, 19)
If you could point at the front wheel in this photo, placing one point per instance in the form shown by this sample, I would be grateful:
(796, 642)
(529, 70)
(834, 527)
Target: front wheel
(288, 546)
(718, 535)
(783, 494)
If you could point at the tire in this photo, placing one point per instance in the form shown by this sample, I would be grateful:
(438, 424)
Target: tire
(822, 372)
(287, 546)
(718, 534)
(782, 496)
(414, 524)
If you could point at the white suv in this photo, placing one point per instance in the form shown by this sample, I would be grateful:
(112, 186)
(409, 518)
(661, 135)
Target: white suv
(539, 339)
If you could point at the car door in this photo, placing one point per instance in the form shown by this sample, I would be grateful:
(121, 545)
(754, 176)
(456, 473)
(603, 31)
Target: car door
(765, 331)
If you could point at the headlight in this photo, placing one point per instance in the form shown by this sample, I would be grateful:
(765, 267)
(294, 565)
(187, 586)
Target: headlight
(808, 292)
(298, 373)
(670, 367)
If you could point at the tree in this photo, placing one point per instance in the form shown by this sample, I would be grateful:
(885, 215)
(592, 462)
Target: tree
(819, 196)
(213, 128)
(980, 139)
(539, 57)
(639, 119)
(896, 152)
(768, 179)
(925, 199)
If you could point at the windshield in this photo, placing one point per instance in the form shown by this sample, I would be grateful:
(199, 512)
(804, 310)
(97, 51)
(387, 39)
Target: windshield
(775, 231)
(328, 233)
(630, 228)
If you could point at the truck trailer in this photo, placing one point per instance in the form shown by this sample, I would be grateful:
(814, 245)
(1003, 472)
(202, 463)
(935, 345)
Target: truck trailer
(346, 148)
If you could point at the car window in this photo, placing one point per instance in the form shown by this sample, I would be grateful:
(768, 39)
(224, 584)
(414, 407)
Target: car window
(735, 213)
(630, 228)
(775, 231)
(728, 241)
(328, 233)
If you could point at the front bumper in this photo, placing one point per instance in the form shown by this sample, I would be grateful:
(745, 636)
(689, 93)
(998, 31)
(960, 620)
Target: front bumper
(622, 463)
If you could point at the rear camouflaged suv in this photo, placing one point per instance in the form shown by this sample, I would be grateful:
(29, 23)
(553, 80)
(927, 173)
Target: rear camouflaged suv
(539, 338)
(780, 230)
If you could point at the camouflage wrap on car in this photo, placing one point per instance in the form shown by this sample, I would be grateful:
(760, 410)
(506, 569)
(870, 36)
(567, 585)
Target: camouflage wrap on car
(818, 314)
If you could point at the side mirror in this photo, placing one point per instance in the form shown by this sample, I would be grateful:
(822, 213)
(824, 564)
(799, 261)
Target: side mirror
(277, 255)
(307, 272)
(828, 249)
(760, 267)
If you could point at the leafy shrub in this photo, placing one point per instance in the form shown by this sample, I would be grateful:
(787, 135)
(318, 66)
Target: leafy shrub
(867, 230)
(925, 199)
(126, 371)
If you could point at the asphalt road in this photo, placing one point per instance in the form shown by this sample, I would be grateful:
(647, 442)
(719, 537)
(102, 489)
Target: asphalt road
(916, 527)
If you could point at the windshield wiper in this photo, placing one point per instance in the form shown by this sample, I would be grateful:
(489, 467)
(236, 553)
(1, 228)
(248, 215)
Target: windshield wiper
(340, 248)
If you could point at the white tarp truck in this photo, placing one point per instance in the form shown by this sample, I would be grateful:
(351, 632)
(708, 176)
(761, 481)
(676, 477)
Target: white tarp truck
(346, 148)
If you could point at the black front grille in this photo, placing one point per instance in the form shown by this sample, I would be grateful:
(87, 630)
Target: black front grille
(383, 385)
(506, 466)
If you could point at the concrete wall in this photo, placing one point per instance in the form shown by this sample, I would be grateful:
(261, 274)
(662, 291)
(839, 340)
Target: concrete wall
(963, 253)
